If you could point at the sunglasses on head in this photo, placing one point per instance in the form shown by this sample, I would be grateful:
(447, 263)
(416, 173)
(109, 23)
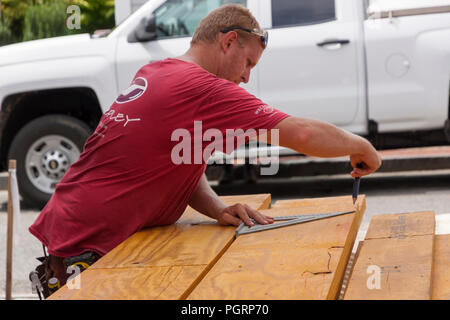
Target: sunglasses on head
(263, 34)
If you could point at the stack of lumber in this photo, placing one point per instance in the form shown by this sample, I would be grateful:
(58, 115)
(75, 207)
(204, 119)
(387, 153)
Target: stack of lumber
(196, 258)
(163, 262)
(305, 261)
(401, 258)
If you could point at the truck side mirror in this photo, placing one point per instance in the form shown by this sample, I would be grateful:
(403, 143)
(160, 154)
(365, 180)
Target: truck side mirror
(145, 31)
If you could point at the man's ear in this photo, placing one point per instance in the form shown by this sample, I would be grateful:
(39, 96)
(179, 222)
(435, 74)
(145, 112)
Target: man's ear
(227, 40)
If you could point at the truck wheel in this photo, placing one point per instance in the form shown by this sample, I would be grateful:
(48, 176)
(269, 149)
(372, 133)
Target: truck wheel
(44, 149)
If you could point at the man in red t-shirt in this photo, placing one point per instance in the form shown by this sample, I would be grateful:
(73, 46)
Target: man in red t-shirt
(132, 173)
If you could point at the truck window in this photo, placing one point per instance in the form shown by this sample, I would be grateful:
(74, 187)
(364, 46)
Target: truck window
(289, 13)
(179, 18)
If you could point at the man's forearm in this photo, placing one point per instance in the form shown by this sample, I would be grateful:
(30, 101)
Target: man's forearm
(327, 140)
(320, 139)
(205, 200)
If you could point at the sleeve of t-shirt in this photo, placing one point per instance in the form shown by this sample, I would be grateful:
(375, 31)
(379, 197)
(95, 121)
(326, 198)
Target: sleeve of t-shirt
(231, 107)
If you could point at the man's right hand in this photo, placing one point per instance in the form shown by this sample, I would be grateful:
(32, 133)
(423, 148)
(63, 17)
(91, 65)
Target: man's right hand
(365, 163)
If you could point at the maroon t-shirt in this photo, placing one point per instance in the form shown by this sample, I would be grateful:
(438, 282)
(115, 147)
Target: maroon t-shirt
(130, 175)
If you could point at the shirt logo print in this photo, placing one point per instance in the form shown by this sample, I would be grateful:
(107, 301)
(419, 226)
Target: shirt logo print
(264, 108)
(268, 109)
(136, 89)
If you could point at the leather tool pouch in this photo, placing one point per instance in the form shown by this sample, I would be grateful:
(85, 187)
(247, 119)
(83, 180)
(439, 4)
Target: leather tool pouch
(83, 261)
(52, 266)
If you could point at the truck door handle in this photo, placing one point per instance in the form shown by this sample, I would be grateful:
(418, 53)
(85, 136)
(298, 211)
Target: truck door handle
(337, 42)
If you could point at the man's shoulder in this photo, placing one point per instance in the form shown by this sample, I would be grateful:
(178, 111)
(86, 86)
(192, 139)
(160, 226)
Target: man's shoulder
(175, 69)
(178, 75)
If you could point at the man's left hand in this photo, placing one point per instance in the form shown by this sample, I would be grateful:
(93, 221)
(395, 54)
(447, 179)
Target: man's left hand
(235, 214)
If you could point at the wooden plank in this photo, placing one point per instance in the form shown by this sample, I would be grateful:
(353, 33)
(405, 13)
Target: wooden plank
(177, 244)
(255, 201)
(401, 225)
(404, 267)
(399, 250)
(305, 261)
(194, 239)
(341, 203)
(441, 270)
(131, 283)
(10, 231)
(187, 249)
(349, 270)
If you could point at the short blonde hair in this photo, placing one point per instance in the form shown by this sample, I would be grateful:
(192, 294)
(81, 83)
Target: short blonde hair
(226, 16)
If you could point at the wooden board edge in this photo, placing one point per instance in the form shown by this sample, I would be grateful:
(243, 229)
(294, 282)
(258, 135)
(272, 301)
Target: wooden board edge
(350, 274)
(433, 263)
(338, 278)
(267, 203)
(205, 271)
(438, 252)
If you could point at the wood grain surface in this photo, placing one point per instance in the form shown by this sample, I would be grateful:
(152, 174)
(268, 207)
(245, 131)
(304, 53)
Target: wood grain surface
(305, 261)
(336, 203)
(441, 268)
(398, 249)
(167, 261)
(131, 283)
(401, 225)
(254, 201)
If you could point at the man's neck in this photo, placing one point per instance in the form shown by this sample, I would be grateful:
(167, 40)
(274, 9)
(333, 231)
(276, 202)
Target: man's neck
(202, 56)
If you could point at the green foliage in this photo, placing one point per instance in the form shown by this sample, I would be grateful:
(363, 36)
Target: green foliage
(14, 11)
(45, 21)
(36, 19)
(96, 14)
(6, 36)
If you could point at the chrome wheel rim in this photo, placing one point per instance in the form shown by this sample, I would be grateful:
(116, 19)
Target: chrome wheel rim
(48, 159)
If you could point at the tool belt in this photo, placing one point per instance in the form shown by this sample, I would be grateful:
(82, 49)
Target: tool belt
(54, 271)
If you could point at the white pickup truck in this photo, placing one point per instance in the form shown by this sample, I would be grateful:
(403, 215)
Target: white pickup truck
(381, 72)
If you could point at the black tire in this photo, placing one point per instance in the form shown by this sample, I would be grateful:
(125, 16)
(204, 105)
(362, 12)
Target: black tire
(71, 134)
